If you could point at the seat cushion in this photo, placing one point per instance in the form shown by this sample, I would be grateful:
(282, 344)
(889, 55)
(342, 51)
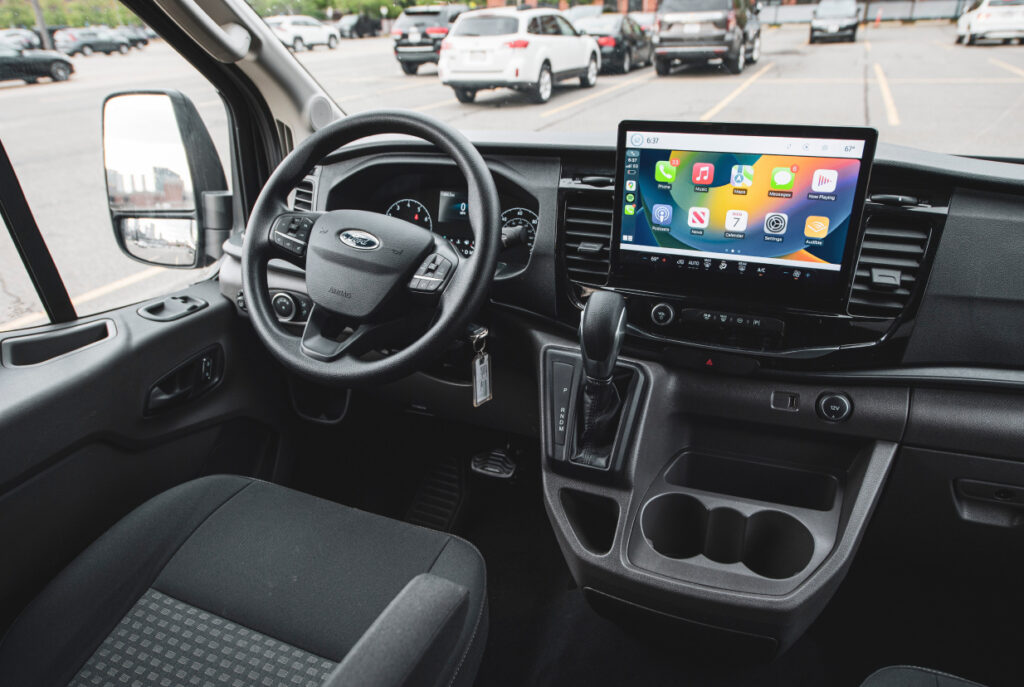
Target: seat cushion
(235, 577)
(912, 676)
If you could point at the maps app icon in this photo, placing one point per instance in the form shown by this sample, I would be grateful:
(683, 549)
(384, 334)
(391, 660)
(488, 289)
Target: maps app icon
(742, 176)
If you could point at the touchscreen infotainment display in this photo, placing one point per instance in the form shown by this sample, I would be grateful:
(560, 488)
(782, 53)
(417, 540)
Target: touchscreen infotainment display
(760, 212)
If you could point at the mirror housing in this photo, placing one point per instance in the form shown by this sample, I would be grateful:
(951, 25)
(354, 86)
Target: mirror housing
(165, 185)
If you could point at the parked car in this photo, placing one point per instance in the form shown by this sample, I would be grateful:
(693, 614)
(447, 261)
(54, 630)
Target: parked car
(835, 20)
(645, 20)
(23, 39)
(694, 31)
(418, 33)
(526, 50)
(357, 26)
(574, 14)
(30, 65)
(623, 43)
(86, 41)
(136, 35)
(991, 20)
(299, 32)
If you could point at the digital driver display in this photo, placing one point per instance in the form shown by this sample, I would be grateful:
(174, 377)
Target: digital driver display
(769, 215)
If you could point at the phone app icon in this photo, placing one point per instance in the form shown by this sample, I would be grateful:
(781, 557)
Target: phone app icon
(775, 223)
(736, 220)
(629, 209)
(703, 173)
(698, 218)
(665, 171)
(816, 227)
(631, 185)
(824, 180)
(783, 179)
(742, 176)
(662, 214)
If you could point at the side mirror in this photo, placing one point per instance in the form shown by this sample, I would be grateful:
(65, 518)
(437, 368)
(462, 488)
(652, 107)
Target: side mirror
(162, 171)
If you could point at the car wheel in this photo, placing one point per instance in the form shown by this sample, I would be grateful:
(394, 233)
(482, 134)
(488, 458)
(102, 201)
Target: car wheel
(541, 91)
(1007, 41)
(298, 44)
(332, 42)
(589, 77)
(410, 68)
(737, 62)
(123, 49)
(627, 62)
(853, 36)
(662, 66)
(755, 51)
(59, 71)
(86, 50)
(30, 79)
(811, 38)
(465, 95)
(959, 39)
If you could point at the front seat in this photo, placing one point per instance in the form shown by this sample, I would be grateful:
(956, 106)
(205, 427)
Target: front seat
(913, 676)
(233, 581)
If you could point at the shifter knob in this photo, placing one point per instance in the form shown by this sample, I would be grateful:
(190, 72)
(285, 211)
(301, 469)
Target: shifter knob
(602, 328)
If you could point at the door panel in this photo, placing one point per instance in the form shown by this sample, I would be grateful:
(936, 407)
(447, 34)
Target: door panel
(78, 453)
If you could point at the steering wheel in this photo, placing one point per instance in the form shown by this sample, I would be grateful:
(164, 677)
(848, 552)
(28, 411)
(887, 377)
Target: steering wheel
(375, 281)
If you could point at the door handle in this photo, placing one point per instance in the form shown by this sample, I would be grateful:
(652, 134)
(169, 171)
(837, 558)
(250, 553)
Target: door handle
(186, 382)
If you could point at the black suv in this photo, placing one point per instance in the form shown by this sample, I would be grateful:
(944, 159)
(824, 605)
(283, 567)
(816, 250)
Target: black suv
(418, 33)
(702, 30)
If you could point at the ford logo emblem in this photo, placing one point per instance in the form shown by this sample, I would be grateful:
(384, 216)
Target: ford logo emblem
(359, 239)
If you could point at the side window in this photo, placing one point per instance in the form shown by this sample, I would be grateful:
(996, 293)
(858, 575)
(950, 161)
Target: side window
(19, 304)
(564, 27)
(548, 25)
(52, 135)
(534, 26)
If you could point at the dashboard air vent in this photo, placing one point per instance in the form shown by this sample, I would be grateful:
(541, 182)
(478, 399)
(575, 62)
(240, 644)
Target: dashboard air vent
(889, 265)
(304, 194)
(587, 234)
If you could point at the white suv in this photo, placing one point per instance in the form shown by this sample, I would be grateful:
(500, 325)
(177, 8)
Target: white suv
(299, 32)
(528, 50)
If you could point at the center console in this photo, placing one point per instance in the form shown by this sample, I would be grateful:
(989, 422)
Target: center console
(719, 506)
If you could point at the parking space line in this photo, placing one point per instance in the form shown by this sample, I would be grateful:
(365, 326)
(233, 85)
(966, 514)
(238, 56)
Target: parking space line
(735, 93)
(1007, 66)
(100, 291)
(867, 46)
(891, 114)
(434, 105)
(596, 94)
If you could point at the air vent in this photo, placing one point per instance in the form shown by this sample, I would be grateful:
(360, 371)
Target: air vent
(302, 198)
(587, 227)
(889, 266)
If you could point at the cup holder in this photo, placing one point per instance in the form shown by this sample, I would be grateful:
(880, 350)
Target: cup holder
(770, 543)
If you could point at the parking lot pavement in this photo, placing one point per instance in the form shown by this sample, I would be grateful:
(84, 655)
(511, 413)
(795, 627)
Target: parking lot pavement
(910, 82)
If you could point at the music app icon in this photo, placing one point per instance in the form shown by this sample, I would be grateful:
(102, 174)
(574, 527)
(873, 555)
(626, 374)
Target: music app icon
(703, 173)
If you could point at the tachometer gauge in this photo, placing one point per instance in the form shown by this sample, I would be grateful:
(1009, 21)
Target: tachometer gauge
(411, 211)
(518, 227)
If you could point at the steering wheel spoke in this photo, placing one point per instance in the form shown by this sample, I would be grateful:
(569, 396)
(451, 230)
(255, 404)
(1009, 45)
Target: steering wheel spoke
(289, 235)
(328, 337)
(435, 272)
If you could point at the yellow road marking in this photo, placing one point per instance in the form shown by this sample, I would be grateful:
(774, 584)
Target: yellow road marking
(890, 105)
(735, 94)
(867, 46)
(434, 105)
(596, 94)
(1008, 67)
(100, 291)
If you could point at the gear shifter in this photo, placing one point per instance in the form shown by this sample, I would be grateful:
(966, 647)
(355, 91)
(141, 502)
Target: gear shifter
(602, 329)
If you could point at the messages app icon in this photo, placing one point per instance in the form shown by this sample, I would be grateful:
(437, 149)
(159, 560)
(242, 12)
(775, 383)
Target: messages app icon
(782, 179)
(665, 172)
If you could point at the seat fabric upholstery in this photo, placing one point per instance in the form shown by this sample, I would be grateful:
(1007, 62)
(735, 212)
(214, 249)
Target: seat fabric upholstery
(229, 577)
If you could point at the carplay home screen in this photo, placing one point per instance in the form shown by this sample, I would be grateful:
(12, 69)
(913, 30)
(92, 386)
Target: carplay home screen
(744, 206)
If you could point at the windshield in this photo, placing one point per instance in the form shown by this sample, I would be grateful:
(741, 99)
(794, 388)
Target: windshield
(603, 24)
(836, 9)
(909, 70)
(486, 26)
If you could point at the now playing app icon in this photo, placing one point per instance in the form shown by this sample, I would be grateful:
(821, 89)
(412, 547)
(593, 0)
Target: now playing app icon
(662, 214)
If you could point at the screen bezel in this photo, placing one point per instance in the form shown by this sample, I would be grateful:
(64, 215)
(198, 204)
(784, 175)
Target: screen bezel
(779, 295)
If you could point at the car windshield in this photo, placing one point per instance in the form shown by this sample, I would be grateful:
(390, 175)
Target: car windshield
(1005, 3)
(409, 19)
(486, 26)
(599, 25)
(836, 9)
(693, 5)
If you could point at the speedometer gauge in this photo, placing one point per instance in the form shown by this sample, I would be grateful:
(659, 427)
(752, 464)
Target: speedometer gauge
(519, 221)
(411, 211)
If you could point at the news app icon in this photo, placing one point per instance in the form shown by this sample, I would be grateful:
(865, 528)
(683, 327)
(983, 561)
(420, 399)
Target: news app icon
(662, 214)
(698, 218)
(824, 180)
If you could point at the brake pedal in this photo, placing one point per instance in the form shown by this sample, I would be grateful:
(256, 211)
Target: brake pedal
(496, 463)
